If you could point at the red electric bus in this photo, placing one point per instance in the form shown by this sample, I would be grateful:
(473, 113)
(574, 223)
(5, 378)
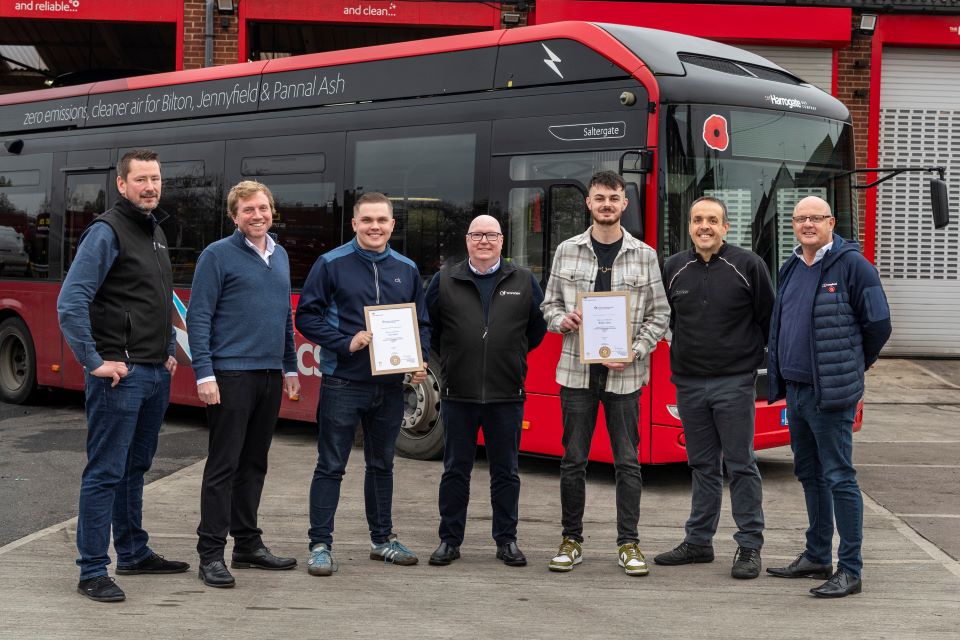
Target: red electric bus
(510, 123)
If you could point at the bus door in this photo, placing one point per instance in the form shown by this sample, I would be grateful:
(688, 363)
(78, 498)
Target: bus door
(305, 176)
(86, 178)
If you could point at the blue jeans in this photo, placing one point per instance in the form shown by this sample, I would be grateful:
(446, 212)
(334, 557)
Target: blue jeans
(123, 425)
(579, 408)
(501, 436)
(718, 416)
(822, 443)
(343, 405)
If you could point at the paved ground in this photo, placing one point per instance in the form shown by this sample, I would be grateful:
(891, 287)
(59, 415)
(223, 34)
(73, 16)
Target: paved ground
(912, 584)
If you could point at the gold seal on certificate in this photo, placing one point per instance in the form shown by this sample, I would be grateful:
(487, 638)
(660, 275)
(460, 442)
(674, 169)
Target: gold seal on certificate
(395, 347)
(605, 331)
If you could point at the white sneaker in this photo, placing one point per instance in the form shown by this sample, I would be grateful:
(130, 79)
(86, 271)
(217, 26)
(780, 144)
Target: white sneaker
(632, 561)
(568, 556)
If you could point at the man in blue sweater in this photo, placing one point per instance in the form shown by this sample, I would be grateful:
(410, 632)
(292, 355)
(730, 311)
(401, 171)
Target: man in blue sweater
(240, 324)
(829, 322)
(363, 272)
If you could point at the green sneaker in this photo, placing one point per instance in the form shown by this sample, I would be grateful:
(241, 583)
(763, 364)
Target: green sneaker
(632, 561)
(568, 556)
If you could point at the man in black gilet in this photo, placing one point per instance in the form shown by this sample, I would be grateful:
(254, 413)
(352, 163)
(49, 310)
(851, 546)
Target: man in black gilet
(115, 313)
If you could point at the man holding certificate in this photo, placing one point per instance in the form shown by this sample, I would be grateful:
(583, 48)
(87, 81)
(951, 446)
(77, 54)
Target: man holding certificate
(485, 317)
(606, 343)
(361, 285)
(721, 298)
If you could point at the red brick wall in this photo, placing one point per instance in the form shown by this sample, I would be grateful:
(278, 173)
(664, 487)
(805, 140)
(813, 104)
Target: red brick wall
(194, 26)
(854, 78)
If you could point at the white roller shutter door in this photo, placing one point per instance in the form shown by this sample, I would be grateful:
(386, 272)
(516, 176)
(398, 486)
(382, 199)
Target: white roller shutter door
(813, 65)
(920, 267)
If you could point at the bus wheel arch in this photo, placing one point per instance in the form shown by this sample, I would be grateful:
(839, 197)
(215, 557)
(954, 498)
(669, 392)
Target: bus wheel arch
(421, 431)
(18, 361)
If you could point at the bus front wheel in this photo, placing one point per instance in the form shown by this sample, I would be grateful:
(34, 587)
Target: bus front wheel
(18, 362)
(421, 432)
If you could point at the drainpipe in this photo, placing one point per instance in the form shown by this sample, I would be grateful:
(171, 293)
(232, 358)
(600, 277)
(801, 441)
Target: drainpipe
(208, 36)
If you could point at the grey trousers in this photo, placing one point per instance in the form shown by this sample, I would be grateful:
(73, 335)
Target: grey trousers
(718, 421)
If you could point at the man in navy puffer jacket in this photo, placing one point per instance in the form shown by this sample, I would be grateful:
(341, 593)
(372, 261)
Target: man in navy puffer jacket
(829, 322)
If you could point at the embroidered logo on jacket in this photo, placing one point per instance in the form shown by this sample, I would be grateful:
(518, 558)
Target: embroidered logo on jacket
(830, 286)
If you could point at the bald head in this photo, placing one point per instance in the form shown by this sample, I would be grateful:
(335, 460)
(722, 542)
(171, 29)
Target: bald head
(484, 251)
(484, 223)
(813, 205)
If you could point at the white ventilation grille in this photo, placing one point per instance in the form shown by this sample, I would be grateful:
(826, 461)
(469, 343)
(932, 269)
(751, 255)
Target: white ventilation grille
(919, 266)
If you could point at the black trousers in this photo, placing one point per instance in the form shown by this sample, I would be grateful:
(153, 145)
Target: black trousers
(462, 422)
(241, 428)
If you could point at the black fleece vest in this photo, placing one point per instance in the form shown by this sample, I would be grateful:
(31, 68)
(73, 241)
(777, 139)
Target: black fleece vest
(131, 314)
(484, 362)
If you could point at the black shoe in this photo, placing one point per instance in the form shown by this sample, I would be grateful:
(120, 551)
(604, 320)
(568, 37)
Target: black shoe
(511, 555)
(153, 563)
(216, 574)
(101, 589)
(686, 553)
(839, 585)
(444, 554)
(261, 559)
(746, 564)
(802, 568)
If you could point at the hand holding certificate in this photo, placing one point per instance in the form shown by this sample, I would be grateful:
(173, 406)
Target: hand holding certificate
(395, 338)
(605, 327)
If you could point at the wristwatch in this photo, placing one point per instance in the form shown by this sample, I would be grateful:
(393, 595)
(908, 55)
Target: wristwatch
(636, 353)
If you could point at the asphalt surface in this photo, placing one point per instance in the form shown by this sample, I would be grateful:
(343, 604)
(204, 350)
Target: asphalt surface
(42, 455)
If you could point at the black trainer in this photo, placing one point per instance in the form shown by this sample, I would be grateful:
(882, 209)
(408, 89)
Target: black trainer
(746, 564)
(154, 563)
(101, 589)
(686, 553)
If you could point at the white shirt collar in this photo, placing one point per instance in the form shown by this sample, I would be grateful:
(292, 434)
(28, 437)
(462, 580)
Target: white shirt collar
(483, 273)
(271, 246)
(822, 251)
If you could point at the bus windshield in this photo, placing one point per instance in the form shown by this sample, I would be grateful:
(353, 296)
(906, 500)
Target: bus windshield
(760, 163)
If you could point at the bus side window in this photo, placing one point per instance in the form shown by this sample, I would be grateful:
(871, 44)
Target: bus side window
(432, 177)
(24, 225)
(525, 227)
(85, 199)
(189, 197)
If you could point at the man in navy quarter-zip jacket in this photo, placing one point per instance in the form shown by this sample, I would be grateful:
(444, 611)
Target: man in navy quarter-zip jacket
(240, 324)
(488, 310)
(720, 298)
(829, 323)
(363, 272)
(115, 311)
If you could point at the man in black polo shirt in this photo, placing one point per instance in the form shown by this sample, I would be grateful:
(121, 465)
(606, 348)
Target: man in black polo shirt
(721, 298)
(484, 317)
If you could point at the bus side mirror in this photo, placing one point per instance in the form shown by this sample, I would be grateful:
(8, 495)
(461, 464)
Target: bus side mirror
(632, 219)
(939, 203)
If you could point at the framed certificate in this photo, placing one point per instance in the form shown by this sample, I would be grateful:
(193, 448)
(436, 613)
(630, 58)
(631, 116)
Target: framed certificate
(395, 347)
(605, 330)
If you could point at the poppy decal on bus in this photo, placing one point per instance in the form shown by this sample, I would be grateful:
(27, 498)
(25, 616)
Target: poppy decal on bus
(715, 132)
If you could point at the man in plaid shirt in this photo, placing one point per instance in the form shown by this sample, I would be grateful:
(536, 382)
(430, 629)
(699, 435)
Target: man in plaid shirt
(605, 257)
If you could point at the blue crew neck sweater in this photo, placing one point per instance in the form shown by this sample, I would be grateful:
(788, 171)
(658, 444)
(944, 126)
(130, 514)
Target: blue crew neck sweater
(795, 348)
(240, 316)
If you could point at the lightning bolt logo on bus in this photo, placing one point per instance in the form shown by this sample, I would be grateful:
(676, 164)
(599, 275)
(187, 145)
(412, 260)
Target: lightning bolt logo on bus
(552, 60)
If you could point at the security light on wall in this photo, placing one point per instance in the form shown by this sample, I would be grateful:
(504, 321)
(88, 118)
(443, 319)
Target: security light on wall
(868, 24)
(227, 6)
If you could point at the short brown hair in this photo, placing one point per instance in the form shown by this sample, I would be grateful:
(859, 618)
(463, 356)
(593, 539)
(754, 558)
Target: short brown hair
(608, 179)
(143, 155)
(246, 189)
(372, 197)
